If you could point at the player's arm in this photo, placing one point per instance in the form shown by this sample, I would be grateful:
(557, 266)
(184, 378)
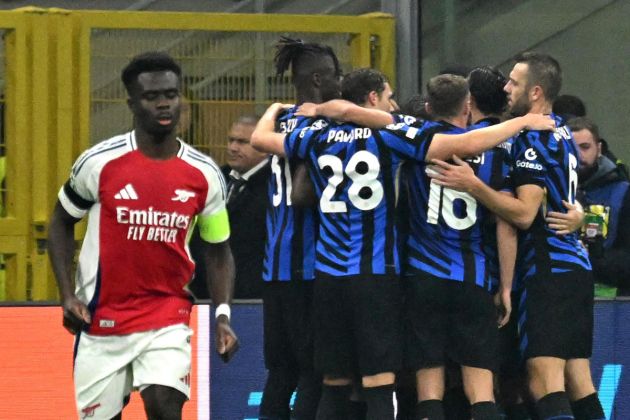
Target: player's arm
(520, 210)
(61, 254)
(342, 110)
(474, 142)
(506, 246)
(264, 138)
(569, 222)
(220, 272)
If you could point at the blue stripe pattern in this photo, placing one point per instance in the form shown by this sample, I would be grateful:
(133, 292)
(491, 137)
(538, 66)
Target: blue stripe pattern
(354, 172)
(549, 160)
(448, 235)
(290, 246)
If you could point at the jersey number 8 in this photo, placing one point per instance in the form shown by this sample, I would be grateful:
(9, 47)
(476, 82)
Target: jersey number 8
(362, 169)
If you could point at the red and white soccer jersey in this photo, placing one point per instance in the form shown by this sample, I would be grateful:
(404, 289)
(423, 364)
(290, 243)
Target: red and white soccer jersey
(135, 263)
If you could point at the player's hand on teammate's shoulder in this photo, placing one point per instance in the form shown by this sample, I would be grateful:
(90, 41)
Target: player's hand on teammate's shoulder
(458, 175)
(275, 108)
(226, 341)
(76, 315)
(307, 109)
(539, 122)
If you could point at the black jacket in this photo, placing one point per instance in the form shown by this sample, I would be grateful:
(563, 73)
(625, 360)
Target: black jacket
(247, 211)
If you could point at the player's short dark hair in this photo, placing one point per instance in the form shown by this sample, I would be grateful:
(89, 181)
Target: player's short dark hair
(486, 86)
(569, 106)
(544, 71)
(302, 57)
(152, 61)
(446, 94)
(583, 123)
(357, 85)
(415, 107)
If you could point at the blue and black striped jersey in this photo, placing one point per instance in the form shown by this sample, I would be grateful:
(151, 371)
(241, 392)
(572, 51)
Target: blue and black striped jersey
(354, 170)
(550, 160)
(497, 176)
(290, 246)
(446, 226)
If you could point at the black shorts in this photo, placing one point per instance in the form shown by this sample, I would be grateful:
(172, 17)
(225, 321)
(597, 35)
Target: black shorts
(449, 320)
(288, 337)
(558, 316)
(357, 325)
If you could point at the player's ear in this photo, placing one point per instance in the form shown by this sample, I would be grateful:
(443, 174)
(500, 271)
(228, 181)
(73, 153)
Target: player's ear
(317, 79)
(427, 108)
(536, 93)
(372, 97)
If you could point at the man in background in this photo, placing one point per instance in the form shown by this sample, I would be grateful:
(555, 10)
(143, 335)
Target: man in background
(601, 183)
(247, 172)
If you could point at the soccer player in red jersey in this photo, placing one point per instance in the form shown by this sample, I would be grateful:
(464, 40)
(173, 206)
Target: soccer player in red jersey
(143, 191)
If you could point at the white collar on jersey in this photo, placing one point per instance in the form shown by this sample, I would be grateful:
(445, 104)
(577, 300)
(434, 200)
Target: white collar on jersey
(131, 136)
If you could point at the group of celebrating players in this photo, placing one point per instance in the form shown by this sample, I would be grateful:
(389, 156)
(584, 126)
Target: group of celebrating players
(392, 240)
(415, 227)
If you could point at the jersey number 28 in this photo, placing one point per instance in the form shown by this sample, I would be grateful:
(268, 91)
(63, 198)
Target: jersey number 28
(362, 169)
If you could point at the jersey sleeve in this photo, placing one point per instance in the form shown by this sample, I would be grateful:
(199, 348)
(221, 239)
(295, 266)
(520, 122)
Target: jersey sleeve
(80, 191)
(296, 143)
(213, 221)
(407, 141)
(407, 119)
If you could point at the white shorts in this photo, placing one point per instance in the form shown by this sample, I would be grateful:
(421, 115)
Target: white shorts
(107, 368)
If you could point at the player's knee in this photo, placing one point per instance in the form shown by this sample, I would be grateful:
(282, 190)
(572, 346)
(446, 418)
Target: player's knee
(163, 403)
(578, 379)
(545, 368)
(380, 379)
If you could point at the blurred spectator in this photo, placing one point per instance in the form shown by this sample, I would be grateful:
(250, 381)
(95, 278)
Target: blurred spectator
(603, 191)
(570, 106)
(247, 173)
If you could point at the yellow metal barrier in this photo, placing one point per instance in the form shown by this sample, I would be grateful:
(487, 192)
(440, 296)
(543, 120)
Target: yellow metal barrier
(62, 93)
(16, 135)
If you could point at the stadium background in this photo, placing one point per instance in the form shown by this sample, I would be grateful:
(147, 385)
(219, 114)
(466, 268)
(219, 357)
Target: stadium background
(60, 89)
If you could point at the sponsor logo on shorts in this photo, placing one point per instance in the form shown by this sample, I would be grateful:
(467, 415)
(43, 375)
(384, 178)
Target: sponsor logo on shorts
(106, 323)
(88, 411)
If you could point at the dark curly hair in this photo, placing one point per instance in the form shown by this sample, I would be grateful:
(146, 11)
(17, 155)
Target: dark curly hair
(151, 61)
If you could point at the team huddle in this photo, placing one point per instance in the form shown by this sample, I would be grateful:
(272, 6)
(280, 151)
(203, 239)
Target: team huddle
(407, 251)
